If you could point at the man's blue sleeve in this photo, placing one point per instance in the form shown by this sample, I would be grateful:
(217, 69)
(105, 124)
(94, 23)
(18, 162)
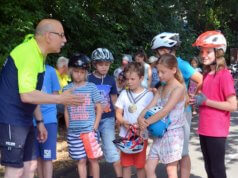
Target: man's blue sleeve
(55, 81)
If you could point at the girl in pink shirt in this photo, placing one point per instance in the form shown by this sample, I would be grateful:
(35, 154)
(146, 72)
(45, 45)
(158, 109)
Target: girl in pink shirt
(216, 100)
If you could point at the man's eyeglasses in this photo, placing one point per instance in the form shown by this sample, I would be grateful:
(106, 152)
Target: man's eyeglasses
(59, 34)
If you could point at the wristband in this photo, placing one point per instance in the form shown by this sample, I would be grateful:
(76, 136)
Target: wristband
(39, 121)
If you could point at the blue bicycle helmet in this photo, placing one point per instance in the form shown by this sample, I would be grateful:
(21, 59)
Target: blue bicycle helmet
(160, 127)
(79, 60)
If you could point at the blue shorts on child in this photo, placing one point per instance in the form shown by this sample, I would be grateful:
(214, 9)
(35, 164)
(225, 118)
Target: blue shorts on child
(47, 150)
(81, 148)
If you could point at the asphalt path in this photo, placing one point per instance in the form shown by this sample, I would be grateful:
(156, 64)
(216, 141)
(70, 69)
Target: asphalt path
(197, 171)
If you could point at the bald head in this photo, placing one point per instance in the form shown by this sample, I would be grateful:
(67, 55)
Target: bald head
(47, 25)
(49, 36)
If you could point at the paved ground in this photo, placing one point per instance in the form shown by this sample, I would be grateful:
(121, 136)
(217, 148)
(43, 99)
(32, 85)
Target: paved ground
(195, 152)
(66, 170)
(198, 170)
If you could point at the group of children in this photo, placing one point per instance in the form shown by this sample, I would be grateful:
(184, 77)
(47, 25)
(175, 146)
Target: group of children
(95, 118)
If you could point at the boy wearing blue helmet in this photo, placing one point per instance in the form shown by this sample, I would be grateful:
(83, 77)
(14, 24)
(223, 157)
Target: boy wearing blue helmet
(102, 59)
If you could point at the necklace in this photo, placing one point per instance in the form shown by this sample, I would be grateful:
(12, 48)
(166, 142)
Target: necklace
(132, 107)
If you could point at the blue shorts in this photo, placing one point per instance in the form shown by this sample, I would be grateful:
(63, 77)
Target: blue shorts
(47, 150)
(17, 145)
(76, 147)
(107, 133)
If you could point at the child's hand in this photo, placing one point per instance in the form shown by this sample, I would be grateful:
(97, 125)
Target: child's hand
(126, 124)
(42, 133)
(191, 99)
(137, 127)
(200, 99)
(140, 120)
(154, 90)
(143, 123)
(68, 98)
(95, 127)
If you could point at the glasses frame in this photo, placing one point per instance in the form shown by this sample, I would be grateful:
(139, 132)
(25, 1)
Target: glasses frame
(62, 35)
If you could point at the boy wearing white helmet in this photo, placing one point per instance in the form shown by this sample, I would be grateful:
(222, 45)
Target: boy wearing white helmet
(215, 106)
(164, 43)
(102, 59)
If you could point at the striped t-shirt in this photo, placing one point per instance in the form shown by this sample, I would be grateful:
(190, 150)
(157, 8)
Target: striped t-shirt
(82, 117)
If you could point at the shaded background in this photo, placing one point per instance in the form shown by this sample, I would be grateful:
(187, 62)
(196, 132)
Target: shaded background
(122, 26)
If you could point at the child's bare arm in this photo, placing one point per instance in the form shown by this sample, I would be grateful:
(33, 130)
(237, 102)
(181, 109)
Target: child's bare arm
(198, 78)
(141, 120)
(98, 115)
(149, 77)
(114, 99)
(66, 117)
(120, 119)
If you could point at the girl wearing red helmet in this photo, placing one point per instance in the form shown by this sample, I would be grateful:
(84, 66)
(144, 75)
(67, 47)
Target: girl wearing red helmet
(216, 100)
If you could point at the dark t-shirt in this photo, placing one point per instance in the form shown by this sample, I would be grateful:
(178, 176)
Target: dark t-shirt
(106, 87)
(22, 72)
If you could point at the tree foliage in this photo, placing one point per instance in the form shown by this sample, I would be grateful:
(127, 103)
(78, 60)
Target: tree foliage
(122, 26)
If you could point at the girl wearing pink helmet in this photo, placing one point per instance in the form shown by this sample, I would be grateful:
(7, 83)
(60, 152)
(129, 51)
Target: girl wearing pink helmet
(216, 100)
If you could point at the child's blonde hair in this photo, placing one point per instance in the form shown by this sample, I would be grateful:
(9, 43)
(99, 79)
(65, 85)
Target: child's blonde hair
(170, 61)
(71, 74)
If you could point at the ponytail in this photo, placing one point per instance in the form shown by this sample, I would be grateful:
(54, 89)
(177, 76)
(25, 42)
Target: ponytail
(178, 75)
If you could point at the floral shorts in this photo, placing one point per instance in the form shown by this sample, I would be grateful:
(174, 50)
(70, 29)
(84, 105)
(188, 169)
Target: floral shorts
(169, 148)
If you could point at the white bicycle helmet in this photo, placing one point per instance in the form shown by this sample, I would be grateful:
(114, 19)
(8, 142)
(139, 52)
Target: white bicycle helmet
(165, 39)
(102, 54)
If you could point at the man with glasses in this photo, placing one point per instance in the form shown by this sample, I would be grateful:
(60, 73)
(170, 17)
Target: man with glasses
(21, 80)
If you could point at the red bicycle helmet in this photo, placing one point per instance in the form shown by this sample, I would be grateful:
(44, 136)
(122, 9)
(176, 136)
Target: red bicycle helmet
(211, 39)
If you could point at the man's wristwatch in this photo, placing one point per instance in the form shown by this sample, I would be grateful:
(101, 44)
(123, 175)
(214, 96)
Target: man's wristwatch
(39, 121)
